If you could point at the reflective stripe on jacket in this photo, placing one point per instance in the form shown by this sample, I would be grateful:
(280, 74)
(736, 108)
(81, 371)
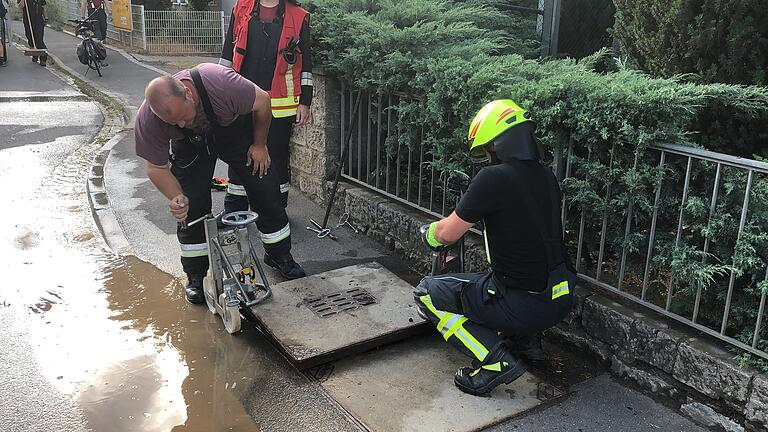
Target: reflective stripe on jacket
(286, 79)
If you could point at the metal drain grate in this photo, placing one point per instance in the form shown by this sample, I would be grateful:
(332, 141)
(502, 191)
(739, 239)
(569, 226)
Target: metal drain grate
(331, 304)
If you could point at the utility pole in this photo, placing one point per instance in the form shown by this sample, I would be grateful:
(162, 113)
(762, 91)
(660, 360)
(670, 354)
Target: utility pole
(550, 26)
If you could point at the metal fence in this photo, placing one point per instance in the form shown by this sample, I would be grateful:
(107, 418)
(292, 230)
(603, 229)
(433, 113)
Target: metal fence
(71, 9)
(688, 179)
(617, 247)
(180, 32)
(185, 32)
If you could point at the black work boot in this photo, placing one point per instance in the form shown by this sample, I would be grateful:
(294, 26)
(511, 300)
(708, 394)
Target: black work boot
(527, 347)
(34, 59)
(194, 290)
(499, 367)
(285, 264)
(421, 309)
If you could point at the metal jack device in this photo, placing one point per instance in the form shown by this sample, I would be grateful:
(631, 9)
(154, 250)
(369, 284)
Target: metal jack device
(236, 278)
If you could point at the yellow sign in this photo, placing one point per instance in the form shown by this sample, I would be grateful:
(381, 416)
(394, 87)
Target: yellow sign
(121, 15)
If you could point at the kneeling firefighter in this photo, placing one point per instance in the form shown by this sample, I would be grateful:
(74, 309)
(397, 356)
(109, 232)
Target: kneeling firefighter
(494, 317)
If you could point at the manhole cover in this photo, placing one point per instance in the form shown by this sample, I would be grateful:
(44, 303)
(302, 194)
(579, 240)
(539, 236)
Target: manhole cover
(331, 304)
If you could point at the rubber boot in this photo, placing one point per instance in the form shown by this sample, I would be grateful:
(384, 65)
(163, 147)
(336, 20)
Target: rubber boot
(498, 367)
(194, 290)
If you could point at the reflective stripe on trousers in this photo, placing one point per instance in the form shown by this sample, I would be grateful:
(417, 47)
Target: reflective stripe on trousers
(236, 189)
(194, 250)
(270, 238)
(451, 324)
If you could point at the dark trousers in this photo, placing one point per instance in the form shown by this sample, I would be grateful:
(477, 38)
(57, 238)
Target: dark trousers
(36, 28)
(3, 54)
(100, 29)
(278, 143)
(474, 313)
(193, 165)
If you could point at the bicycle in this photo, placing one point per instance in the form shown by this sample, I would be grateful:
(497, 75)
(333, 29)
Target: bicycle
(89, 55)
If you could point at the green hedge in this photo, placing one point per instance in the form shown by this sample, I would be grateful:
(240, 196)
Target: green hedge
(445, 55)
(708, 41)
(720, 40)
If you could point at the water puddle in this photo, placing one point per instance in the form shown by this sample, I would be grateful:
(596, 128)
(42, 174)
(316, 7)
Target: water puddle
(111, 334)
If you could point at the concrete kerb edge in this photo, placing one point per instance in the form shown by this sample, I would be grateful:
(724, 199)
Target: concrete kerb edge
(114, 126)
(103, 213)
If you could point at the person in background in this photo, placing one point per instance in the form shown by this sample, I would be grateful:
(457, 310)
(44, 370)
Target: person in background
(35, 16)
(269, 43)
(101, 9)
(4, 31)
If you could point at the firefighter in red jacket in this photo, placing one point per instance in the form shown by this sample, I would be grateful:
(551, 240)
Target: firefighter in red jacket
(268, 42)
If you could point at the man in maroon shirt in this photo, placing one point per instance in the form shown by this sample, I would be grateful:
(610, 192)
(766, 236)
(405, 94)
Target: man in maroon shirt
(203, 114)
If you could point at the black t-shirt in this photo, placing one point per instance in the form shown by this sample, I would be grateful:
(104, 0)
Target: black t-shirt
(512, 237)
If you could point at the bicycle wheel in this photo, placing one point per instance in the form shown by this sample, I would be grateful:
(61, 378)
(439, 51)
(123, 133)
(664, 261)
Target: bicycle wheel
(93, 60)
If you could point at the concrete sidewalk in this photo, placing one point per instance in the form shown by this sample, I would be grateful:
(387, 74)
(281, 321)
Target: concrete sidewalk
(295, 403)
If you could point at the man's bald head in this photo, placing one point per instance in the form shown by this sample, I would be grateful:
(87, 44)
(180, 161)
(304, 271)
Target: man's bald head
(167, 98)
(161, 89)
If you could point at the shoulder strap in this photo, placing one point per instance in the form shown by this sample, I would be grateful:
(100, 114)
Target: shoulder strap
(548, 240)
(207, 107)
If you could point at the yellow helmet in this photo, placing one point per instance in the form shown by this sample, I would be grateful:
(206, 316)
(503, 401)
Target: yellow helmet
(491, 121)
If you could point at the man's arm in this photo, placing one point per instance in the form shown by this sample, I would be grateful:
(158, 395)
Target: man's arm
(440, 233)
(107, 7)
(82, 8)
(480, 199)
(258, 155)
(228, 46)
(450, 229)
(167, 184)
(307, 85)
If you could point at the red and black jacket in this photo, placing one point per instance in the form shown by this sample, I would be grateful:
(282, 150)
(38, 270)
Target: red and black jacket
(254, 49)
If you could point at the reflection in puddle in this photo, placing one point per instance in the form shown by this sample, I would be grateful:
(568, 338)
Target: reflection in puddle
(110, 332)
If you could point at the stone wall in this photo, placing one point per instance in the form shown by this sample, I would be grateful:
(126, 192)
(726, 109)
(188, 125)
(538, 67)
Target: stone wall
(315, 146)
(689, 369)
(692, 370)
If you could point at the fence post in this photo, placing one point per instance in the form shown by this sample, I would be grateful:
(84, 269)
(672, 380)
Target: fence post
(223, 30)
(550, 27)
(143, 28)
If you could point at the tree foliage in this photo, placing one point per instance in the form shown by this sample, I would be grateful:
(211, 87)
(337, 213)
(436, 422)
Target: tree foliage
(706, 41)
(720, 40)
(161, 5)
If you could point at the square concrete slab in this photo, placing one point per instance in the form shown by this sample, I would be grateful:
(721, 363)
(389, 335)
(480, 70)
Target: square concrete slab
(408, 386)
(338, 313)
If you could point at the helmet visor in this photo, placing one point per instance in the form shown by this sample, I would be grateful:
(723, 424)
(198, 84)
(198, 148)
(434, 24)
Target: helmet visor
(478, 154)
